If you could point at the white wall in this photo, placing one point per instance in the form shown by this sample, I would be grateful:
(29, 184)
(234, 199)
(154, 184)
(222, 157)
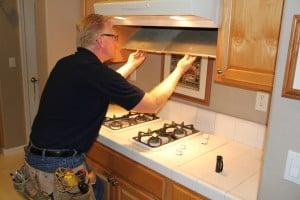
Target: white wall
(284, 123)
(11, 94)
(61, 20)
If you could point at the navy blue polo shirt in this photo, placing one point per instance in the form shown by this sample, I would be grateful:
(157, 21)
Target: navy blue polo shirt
(75, 100)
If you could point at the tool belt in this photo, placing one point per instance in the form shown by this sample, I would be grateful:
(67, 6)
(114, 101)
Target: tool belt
(28, 186)
(68, 185)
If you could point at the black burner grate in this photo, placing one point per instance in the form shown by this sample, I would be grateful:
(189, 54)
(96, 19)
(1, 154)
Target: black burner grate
(168, 133)
(130, 119)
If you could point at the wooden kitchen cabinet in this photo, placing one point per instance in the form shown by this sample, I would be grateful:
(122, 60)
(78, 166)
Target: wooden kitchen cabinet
(125, 191)
(129, 180)
(247, 43)
(119, 189)
(178, 192)
(124, 32)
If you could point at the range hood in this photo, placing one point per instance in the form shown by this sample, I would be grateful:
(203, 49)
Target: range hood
(167, 13)
(198, 42)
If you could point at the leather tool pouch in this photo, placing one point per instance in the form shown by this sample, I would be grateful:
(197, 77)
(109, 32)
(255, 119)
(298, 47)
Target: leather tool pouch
(70, 185)
(27, 186)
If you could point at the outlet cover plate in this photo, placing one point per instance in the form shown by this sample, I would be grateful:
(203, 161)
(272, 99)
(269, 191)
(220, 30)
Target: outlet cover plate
(292, 168)
(262, 101)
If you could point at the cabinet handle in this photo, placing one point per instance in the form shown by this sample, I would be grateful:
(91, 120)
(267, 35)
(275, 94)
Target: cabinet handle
(110, 179)
(220, 71)
(115, 182)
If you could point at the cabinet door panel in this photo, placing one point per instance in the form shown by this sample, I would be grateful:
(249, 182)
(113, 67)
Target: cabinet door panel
(247, 43)
(135, 173)
(148, 180)
(180, 193)
(125, 191)
(101, 155)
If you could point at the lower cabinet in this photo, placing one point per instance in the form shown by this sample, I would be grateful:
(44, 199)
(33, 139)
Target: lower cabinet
(178, 192)
(123, 190)
(128, 180)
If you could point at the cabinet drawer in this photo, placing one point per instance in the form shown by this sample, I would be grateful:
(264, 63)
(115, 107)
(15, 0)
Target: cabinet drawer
(129, 170)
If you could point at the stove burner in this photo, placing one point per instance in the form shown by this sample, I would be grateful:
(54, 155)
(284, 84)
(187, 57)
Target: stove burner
(116, 125)
(141, 118)
(154, 140)
(168, 133)
(130, 119)
(180, 132)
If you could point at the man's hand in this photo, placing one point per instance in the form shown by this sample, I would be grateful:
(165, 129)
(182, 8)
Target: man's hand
(186, 63)
(135, 59)
(157, 97)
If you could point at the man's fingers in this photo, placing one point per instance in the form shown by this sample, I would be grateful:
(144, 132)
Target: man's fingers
(138, 53)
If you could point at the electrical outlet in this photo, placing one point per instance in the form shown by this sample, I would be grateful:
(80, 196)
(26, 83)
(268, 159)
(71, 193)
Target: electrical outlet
(12, 62)
(132, 76)
(292, 168)
(262, 100)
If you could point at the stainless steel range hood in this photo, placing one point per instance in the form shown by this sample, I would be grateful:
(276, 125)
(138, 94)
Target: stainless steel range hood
(167, 26)
(168, 13)
(199, 42)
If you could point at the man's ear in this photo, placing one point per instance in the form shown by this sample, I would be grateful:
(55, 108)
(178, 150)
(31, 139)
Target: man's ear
(100, 42)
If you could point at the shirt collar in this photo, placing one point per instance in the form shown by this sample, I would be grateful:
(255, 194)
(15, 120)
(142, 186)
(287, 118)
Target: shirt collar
(87, 54)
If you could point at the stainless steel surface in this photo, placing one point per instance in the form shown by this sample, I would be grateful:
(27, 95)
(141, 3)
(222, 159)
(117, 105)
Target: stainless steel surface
(167, 13)
(199, 42)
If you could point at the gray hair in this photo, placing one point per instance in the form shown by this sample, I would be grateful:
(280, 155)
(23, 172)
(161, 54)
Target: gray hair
(88, 28)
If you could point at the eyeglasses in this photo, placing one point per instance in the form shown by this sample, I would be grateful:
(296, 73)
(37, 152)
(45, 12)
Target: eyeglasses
(115, 37)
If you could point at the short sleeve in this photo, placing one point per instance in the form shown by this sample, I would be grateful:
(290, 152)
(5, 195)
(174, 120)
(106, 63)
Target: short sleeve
(116, 88)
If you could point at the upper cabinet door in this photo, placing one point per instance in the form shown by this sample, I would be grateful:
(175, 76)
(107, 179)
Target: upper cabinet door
(247, 43)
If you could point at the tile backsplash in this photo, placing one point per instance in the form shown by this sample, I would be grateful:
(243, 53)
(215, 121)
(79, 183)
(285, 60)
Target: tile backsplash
(239, 130)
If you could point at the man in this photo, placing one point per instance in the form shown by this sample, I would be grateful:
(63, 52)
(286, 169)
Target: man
(76, 97)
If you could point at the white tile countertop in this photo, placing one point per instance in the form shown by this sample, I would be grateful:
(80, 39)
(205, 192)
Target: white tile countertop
(191, 163)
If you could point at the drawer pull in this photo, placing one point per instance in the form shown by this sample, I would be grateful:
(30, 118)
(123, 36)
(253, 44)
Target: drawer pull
(110, 179)
(220, 71)
(115, 182)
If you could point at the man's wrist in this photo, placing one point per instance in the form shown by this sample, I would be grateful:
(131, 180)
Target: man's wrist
(131, 65)
(180, 70)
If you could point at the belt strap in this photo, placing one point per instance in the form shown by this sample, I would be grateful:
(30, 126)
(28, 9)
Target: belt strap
(52, 153)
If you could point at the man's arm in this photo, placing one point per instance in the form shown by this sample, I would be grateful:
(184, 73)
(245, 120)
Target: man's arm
(134, 60)
(156, 98)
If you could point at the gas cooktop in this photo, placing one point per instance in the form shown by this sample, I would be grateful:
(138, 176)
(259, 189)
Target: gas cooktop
(168, 133)
(128, 120)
